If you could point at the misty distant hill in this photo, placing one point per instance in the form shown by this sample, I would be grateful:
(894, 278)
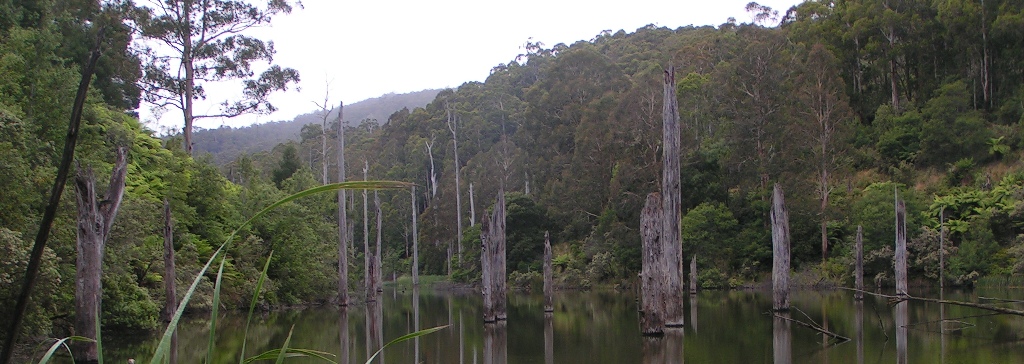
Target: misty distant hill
(227, 143)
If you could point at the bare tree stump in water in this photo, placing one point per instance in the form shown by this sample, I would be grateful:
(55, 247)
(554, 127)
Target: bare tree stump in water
(858, 275)
(780, 250)
(671, 204)
(693, 275)
(492, 259)
(652, 320)
(549, 300)
(901, 248)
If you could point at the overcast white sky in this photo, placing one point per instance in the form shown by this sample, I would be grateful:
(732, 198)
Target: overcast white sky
(368, 48)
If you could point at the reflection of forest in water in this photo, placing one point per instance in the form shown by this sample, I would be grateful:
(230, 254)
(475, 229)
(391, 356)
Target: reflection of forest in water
(602, 327)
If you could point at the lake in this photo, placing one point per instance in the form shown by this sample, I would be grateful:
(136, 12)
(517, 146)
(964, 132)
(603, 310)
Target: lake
(602, 327)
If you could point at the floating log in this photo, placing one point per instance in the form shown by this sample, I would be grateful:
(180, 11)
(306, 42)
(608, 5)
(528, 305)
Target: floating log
(652, 319)
(901, 248)
(549, 300)
(858, 275)
(780, 250)
(671, 204)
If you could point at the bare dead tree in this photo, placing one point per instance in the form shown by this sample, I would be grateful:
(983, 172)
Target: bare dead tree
(453, 126)
(96, 216)
(342, 208)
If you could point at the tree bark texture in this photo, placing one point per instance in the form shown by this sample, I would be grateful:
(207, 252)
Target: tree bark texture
(96, 215)
(780, 251)
(171, 301)
(342, 214)
(901, 248)
(671, 204)
(549, 290)
(652, 270)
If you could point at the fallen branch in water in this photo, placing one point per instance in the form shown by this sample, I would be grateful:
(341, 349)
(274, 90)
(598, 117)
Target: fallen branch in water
(836, 336)
(897, 299)
(1000, 299)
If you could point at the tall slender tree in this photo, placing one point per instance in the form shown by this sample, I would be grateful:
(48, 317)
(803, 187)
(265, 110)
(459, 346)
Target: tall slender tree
(342, 211)
(196, 42)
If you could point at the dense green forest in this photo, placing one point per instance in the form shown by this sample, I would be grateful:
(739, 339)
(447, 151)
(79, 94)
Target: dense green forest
(841, 102)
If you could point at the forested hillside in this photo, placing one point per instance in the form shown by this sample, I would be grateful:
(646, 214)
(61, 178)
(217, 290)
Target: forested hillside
(843, 103)
(224, 144)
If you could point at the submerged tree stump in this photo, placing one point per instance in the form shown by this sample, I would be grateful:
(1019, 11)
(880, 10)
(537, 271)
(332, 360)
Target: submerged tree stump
(549, 300)
(901, 248)
(652, 319)
(780, 251)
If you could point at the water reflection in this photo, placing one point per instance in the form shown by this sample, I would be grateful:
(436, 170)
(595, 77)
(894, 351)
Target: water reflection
(693, 312)
(343, 341)
(902, 320)
(549, 338)
(496, 342)
(601, 327)
(374, 327)
(416, 322)
(667, 348)
(782, 338)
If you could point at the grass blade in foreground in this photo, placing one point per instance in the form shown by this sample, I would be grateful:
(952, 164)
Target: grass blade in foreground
(404, 338)
(213, 312)
(292, 353)
(284, 348)
(62, 342)
(163, 348)
(252, 305)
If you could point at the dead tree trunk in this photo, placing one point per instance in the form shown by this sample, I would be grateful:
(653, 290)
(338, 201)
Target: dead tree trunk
(377, 268)
(858, 275)
(342, 214)
(549, 300)
(472, 207)
(96, 215)
(693, 275)
(486, 276)
(652, 270)
(492, 258)
(780, 249)
(171, 302)
(415, 241)
(671, 204)
(942, 248)
(901, 248)
(368, 274)
(454, 127)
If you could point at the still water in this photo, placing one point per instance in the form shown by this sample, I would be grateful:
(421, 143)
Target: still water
(602, 327)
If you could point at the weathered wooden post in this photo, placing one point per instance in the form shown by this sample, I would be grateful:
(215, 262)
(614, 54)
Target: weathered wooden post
(342, 212)
(901, 248)
(96, 216)
(780, 250)
(693, 275)
(652, 269)
(671, 204)
(858, 275)
(170, 291)
(549, 300)
(415, 242)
